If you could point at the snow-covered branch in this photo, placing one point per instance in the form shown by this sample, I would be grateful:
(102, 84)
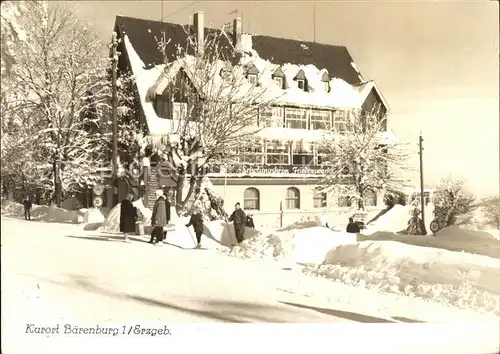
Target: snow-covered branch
(363, 158)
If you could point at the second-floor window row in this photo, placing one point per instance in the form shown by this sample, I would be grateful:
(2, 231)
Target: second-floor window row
(273, 117)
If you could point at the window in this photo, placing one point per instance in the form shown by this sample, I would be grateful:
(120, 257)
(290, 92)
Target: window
(323, 154)
(180, 110)
(370, 198)
(251, 199)
(272, 117)
(301, 84)
(251, 154)
(326, 86)
(296, 118)
(302, 153)
(162, 106)
(278, 81)
(319, 199)
(340, 120)
(252, 78)
(292, 198)
(320, 120)
(344, 202)
(277, 153)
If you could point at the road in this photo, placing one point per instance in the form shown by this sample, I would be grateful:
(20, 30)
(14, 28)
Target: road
(60, 273)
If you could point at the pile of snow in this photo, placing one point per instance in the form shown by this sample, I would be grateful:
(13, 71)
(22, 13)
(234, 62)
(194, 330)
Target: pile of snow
(112, 221)
(216, 234)
(42, 213)
(473, 242)
(455, 278)
(396, 220)
(92, 218)
(296, 243)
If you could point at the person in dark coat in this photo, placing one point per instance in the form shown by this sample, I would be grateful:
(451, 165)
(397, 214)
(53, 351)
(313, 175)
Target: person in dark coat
(249, 222)
(352, 227)
(238, 218)
(158, 219)
(167, 209)
(196, 221)
(27, 207)
(128, 216)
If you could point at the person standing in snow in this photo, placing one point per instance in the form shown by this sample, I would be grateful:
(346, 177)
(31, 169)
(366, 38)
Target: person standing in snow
(128, 216)
(196, 221)
(238, 218)
(158, 219)
(27, 207)
(352, 227)
(167, 213)
(249, 222)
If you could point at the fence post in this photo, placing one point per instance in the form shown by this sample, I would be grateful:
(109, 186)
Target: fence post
(281, 214)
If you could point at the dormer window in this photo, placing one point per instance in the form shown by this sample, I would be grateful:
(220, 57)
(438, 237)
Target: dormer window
(252, 78)
(301, 80)
(326, 81)
(278, 81)
(252, 74)
(279, 78)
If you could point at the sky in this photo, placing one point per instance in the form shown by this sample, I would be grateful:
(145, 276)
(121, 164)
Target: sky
(436, 63)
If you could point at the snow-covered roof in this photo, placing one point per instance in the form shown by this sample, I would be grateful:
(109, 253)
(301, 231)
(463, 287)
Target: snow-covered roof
(153, 78)
(366, 87)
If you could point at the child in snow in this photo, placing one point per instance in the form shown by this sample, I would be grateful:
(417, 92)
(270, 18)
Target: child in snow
(352, 227)
(196, 221)
(249, 222)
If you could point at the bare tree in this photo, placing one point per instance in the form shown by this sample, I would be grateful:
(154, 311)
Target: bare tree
(217, 110)
(452, 201)
(362, 159)
(60, 79)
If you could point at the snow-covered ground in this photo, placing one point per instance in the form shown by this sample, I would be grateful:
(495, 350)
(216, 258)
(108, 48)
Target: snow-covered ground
(460, 279)
(59, 273)
(43, 213)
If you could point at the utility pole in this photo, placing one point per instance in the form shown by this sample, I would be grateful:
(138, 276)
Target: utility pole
(422, 205)
(114, 104)
(314, 21)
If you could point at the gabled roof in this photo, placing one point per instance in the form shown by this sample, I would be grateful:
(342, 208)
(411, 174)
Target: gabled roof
(278, 72)
(145, 35)
(335, 59)
(252, 70)
(300, 75)
(364, 89)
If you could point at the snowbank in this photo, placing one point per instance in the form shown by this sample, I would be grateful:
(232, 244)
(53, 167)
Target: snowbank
(396, 220)
(112, 222)
(451, 238)
(42, 213)
(296, 243)
(455, 278)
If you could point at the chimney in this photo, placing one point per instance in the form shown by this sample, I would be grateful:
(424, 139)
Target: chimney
(199, 27)
(237, 33)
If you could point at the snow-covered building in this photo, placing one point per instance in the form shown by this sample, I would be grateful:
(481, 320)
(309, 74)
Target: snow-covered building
(319, 86)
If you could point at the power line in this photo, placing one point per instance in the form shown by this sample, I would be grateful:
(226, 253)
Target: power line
(175, 12)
